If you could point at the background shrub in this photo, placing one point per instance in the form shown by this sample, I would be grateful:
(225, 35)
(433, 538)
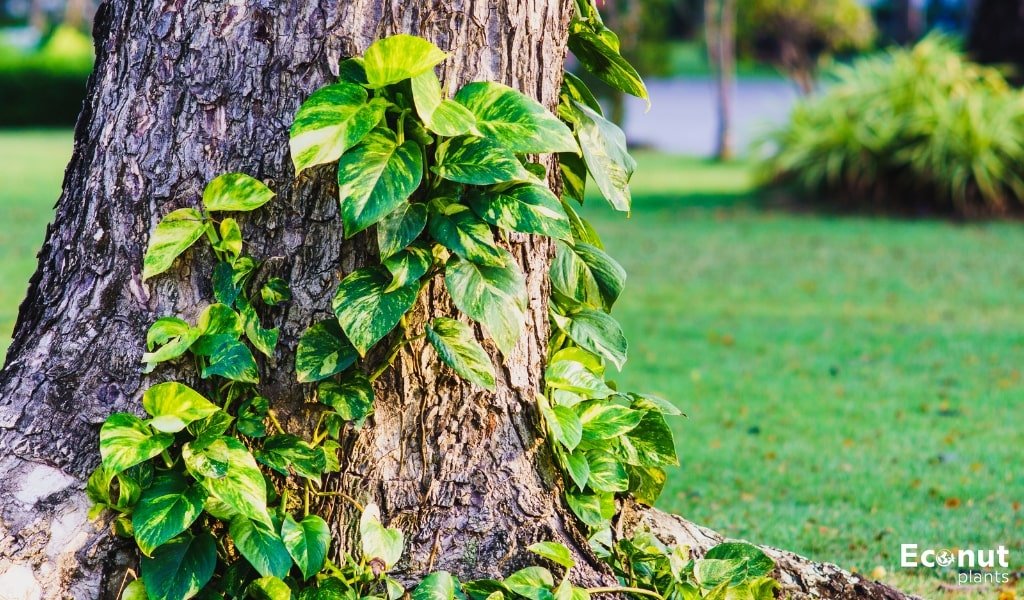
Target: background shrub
(46, 87)
(919, 129)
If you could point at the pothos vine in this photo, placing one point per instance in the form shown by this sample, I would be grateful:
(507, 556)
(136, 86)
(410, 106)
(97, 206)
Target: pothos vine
(436, 178)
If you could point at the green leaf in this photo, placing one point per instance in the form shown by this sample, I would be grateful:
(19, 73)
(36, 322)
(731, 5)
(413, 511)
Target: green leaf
(172, 236)
(223, 279)
(400, 228)
(478, 161)
(180, 568)
(219, 318)
(713, 572)
(352, 398)
(167, 508)
(526, 207)
(250, 417)
(582, 231)
(572, 376)
(275, 291)
(375, 177)
(455, 344)
(236, 192)
(515, 121)
(174, 405)
(574, 88)
(269, 588)
(230, 237)
(228, 358)
(607, 474)
(332, 120)
(126, 441)
(650, 443)
(574, 176)
(603, 60)
(600, 333)
(439, 585)
(378, 541)
(655, 403)
(408, 266)
(366, 310)
(578, 468)
(323, 351)
(593, 509)
(242, 488)
(495, 297)
(261, 546)
(398, 58)
(136, 590)
(534, 583)
(646, 483)
(206, 457)
(587, 274)
(214, 425)
(606, 420)
(758, 564)
(444, 117)
(352, 70)
(565, 425)
(174, 337)
(307, 542)
(456, 227)
(606, 155)
(555, 552)
(264, 340)
(285, 450)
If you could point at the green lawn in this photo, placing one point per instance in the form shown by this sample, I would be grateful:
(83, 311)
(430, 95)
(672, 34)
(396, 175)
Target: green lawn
(851, 384)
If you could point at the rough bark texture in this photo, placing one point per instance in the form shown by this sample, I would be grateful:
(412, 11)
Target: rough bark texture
(801, 579)
(184, 90)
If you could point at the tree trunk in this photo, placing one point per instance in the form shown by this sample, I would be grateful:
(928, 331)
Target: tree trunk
(182, 92)
(720, 26)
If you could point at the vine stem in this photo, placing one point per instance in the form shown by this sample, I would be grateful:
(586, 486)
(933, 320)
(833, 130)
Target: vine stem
(625, 590)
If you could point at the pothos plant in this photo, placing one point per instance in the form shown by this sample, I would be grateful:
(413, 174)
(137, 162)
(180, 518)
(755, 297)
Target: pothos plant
(199, 483)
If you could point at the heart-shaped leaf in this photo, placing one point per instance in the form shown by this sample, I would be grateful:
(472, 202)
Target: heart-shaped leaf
(444, 117)
(525, 207)
(167, 508)
(375, 177)
(478, 161)
(261, 546)
(398, 58)
(323, 351)
(180, 568)
(366, 310)
(515, 121)
(495, 297)
(174, 405)
(332, 120)
(455, 344)
(307, 542)
(236, 192)
(172, 236)
(126, 441)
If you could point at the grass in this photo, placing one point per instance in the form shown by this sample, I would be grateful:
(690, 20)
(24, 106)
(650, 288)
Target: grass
(851, 384)
(31, 173)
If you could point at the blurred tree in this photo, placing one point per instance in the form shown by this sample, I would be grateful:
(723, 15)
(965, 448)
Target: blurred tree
(997, 35)
(720, 32)
(796, 35)
(909, 21)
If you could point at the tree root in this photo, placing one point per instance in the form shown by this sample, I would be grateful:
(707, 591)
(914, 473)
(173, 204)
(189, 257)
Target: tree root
(801, 579)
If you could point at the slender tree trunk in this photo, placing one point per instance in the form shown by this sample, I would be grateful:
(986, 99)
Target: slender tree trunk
(720, 26)
(184, 91)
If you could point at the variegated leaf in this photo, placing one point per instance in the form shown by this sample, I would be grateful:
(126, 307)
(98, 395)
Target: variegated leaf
(606, 155)
(398, 58)
(478, 161)
(591, 47)
(375, 177)
(331, 121)
(494, 296)
(323, 351)
(400, 228)
(172, 236)
(457, 228)
(236, 192)
(525, 207)
(440, 115)
(366, 310)
(515, 121)
(407, 266)
(454, 342)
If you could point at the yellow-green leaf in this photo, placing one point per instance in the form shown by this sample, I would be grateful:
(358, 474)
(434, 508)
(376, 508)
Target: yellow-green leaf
(236, 192)
(172, 236)
(375, 177)
(332, 120)
(398, 58)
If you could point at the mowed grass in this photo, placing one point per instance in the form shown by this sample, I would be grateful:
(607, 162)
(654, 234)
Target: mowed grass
(31, 169)
(851, 384)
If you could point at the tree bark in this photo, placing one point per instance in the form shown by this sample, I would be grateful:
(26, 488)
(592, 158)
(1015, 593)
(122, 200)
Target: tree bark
(182, 92)
(720, 27)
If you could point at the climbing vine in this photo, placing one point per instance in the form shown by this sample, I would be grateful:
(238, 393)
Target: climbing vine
(441, 181)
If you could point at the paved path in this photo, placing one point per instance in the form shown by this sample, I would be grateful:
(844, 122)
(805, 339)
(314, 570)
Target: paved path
(683, 119)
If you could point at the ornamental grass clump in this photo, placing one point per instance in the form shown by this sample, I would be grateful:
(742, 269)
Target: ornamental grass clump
(909, 131)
